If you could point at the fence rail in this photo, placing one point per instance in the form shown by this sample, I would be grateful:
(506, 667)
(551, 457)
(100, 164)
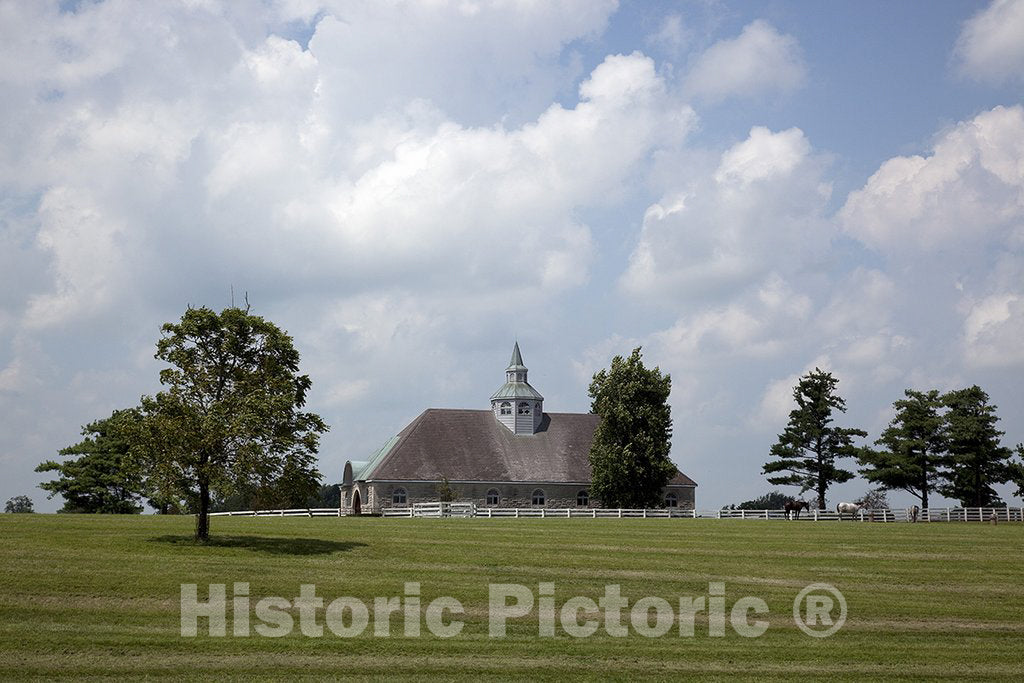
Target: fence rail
(438, 510)
(299, 512)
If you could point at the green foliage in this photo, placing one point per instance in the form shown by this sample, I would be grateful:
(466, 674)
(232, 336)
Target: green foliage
(229, 421)
(976, 458)
(773, 500)
(915, 446)
(810, 445)
(326, 497)
(445, 493)
(19, 504)
(1017, 472)
(274, 497)
(629, 456)
(101, 479)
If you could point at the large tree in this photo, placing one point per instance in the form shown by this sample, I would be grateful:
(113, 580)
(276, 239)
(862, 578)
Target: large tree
(230, 418)
(977, 459)
(100, 479)
(629, 456)
(808, 448)
(914, 447)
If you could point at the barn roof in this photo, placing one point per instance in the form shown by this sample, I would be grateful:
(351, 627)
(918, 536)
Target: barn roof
(470, 445)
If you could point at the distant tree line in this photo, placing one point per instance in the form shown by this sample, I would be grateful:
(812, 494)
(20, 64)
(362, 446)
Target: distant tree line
(18, 504)
(946, 443)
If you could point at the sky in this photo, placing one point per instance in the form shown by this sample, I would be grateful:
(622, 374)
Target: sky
(746, 190)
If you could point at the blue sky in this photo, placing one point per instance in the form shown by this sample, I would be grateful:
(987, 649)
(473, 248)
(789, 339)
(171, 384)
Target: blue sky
(747, 190)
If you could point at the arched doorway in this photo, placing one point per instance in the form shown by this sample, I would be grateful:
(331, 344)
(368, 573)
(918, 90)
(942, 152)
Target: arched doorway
(357, 508)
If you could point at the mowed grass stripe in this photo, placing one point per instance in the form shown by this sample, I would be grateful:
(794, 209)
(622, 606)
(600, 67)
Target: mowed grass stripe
(98, 596)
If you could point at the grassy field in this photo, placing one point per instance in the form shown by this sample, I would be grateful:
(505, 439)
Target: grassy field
(99, 596)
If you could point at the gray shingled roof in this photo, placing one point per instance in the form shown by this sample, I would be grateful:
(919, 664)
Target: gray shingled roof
(471, 445)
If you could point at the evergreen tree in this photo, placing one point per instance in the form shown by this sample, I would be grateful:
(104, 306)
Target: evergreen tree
(915, 446)
(629, 456)
(810, 445)
(977, 460)
(101, 479)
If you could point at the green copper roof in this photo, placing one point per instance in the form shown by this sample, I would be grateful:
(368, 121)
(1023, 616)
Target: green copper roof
(517, 390)
(517, 359)
(368, 467)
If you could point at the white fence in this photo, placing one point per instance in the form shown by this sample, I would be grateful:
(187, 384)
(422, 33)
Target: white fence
(437, 510)
(302, 512)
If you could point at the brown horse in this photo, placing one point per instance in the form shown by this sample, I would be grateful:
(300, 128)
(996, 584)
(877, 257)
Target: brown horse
(795, 506)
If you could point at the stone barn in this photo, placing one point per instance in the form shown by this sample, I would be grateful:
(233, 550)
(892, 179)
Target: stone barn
(513, 455)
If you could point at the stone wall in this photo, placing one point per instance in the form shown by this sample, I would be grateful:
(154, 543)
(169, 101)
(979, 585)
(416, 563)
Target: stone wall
(378, 495)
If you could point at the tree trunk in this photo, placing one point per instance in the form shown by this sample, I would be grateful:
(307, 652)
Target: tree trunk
(203, 518)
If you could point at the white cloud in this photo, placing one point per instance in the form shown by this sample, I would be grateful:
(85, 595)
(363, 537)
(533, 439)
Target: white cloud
(969, 190)
(761, 208)
(861, 303)
(763, 155)
(754, 326)
(760, 60)
(81, 238)
(478, 61)
(993, 330)
(672, 35)
(991, 45)
(426, 200)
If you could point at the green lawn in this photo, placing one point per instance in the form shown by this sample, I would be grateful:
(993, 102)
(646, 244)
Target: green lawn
(91, 596)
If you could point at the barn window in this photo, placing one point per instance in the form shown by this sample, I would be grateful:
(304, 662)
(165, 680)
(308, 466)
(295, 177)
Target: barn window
(506, 408)
(398, 497)
(492, 497)
(524, 408)
(583, 498)
(671, 500)
(538, 497)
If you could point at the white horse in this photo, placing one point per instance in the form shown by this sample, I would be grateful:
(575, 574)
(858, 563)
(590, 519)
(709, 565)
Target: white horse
(851, 508)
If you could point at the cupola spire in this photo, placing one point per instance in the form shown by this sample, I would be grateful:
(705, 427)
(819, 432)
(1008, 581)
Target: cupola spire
(517, 405)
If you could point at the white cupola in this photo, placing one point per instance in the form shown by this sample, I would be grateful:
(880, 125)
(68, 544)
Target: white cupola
(517, 405)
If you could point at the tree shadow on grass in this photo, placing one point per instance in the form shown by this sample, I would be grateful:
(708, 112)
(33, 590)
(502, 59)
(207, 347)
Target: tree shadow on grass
(271, 545)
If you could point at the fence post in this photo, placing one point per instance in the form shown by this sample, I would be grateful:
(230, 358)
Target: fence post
(645, 513)
(766, 515)
(815, 514)
(542, 512)
(620, 513)
(517, 513)
(947, 515)
(743, 514)
(694, 513)
(594, 510)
